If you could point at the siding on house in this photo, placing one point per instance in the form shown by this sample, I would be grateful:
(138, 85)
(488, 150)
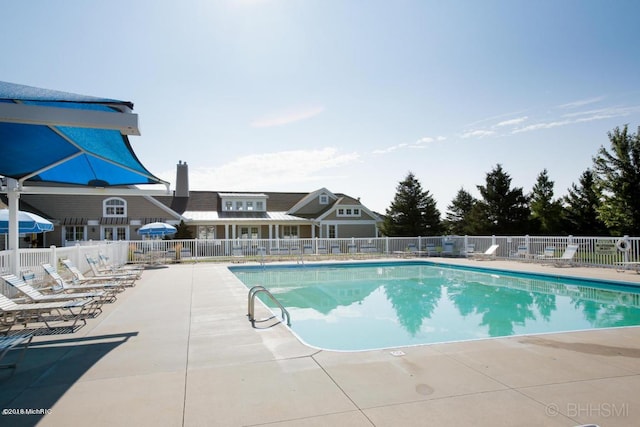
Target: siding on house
(205, 208)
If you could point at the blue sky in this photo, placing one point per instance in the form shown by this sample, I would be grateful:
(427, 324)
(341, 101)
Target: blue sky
(351, 95)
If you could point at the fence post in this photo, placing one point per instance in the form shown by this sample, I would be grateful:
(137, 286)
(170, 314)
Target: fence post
(54, 257)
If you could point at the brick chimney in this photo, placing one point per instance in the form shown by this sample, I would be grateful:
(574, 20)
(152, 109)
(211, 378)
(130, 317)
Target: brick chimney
(182, 180)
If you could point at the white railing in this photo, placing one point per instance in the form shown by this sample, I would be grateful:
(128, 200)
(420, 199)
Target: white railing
(32, 259)
(593, 251)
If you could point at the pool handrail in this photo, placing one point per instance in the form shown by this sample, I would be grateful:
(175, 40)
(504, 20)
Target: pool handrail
(251, 305)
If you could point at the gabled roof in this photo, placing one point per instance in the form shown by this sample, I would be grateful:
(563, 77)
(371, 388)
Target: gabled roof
(310, 197)
(210, 201)
(348, 201)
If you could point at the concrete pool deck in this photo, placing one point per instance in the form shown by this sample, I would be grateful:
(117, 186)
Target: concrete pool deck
(177, 350)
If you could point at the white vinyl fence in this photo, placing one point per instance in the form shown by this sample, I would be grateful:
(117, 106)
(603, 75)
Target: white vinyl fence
(592, 251)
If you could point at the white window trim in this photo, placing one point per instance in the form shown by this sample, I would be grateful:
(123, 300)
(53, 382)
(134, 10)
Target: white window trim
(105, 206)
(342, 212)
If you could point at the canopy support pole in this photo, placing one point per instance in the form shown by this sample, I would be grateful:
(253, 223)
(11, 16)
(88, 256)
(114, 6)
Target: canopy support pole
(13, 196)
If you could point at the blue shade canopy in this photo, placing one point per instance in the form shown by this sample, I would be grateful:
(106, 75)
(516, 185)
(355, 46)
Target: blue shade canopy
(44, 148)
(27, 222)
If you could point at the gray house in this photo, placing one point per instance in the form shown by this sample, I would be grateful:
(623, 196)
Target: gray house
(207, 214)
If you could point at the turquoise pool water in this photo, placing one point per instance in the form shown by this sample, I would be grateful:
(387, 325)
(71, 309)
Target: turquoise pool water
(364, 306)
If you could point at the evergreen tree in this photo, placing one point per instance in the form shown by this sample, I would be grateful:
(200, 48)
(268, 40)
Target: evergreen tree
(618, 182)
(546, 213)
(413, 211)
(502, 210)
(581, 208)
(183, 232)
(458, 214)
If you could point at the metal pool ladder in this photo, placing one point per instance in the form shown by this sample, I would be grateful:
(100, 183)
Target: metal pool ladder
(251, 305)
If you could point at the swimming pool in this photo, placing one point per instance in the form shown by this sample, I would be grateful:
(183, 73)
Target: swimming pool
(361, 306)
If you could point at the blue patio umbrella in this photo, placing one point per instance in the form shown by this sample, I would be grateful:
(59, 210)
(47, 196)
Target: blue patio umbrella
(27, 222)
(157, 229)
(49, 137)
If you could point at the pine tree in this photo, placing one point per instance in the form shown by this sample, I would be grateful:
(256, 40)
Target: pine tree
(502, 210)
(458, 214)
(413, 211)
(618, 182)
(546, 213)
(581, 208)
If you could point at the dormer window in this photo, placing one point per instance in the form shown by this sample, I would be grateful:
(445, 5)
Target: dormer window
(240, 202)
(324, 199)
(114, 207)
(352, 212)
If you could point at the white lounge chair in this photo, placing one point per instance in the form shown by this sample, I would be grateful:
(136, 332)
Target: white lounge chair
(132, 275)
(488, 254)
(566, 259)
(34, 295)
(80, 282)
(13, 313)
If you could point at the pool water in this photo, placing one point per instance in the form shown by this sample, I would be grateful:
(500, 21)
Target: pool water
(352, 307)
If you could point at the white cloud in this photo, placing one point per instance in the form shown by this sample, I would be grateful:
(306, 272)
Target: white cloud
(418, 144)
(477, 133)
(286, 117)
(271, 171)
(539, 126)
(581, 102)
(512, 122)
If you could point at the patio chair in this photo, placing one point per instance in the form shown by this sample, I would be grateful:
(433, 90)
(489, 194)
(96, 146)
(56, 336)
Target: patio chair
(566, 259)
(470, 250)
(522, 251)
(110, 276)
(447, 249)
(430, 249)
(488, 254)
(412, 248)
(80, 279)
(78, 285)
(106, 267)
(11, 342)
(13, 313)
(36, 296)
(548, 253)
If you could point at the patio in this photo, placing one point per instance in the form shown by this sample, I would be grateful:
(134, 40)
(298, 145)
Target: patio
(177, 350)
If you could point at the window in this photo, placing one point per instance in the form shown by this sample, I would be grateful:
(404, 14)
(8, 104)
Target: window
(248, 232)
(239, 205)
(228, 206)
(324, 199)
(332, 232)
(249, 205)
(114, 207)
(290, 232)
(73, 233)
(206, 232)
(260, 206)
(349, 212)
